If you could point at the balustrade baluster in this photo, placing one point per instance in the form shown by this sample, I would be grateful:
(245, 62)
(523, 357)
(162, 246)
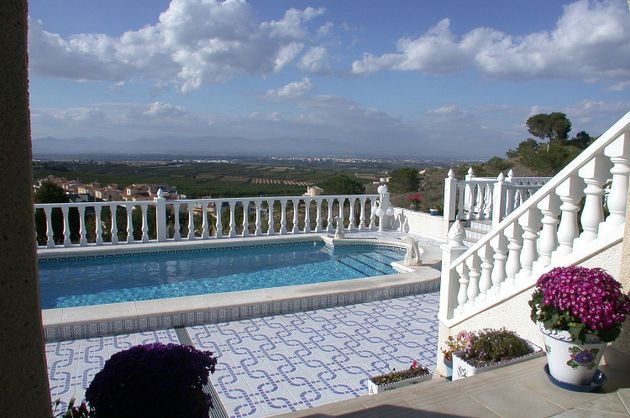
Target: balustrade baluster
(232, 232)
(362, 214)
(270, 229)
(176, 233)
(283, 216)
(145, 225)
(129, 208)
(113, 207)
(340, 219)
(296, 203)
(488, 205)
(318, 220)
(82, 228)
(479, 202)
(329, 216)
(372, 214)
(66, 227)
(474, 272)
(499, 246)
(258, 230)
(594, 174)
(50, 234)
(514, 234)
(462, 294)
(530, 222)
(619, 152)
(548, 241)
(351, 225)
(245, 218)
(461, 203)
(205, 227)
(485, 280)
(98, 230)
(218, 211)
(191, 221)
(307, 214)
(570, 193)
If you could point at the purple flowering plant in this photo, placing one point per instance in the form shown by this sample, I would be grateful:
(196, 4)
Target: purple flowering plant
(153, 380)
(490, 346)
(583, 301)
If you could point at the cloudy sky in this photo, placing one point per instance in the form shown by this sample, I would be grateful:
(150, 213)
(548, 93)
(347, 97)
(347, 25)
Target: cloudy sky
(401, 77)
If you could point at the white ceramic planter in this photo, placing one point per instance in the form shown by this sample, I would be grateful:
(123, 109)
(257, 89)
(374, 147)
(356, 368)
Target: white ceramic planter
(462, 369)
(373, 388)
(569, 361)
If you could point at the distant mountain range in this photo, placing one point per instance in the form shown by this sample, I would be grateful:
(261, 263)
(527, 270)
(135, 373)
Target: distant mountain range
(200, 146)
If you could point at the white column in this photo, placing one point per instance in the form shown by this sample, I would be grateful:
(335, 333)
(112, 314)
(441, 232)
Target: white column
(191, 222)
(66, 227)
(329, 216)
(548, 241)
(296, 205)
(469, 196)
(351, 225)
(449, 285)
(218, 211)
(232, 232)
(176, 233)
(362, 215)
(98, 230)
(318, 220)
(594, 174)
(205, 226)
(160, 216)
(570, 192)
(450, 200)
(485, 280)
(283, 216)
(129, 209)
(245, 218)
(82, 228)
(340, 220)
(498, 202)
(114, 226)
(50, 238)
(145, 225)
(619, 152)
(514, 234)
(372, 214)
(258, 230)
(270, 229)
(530, 222)
(474, 272)
(307, 214)
(499, 246)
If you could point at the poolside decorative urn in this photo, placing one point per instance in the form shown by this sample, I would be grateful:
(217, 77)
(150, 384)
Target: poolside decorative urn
(578, 310)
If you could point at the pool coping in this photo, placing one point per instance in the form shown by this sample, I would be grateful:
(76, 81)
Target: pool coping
(126, 317)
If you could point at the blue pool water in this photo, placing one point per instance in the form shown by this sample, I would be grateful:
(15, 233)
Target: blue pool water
(98, 280)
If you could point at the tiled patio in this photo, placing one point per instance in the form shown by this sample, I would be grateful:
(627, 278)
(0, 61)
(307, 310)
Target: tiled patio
(280, 363)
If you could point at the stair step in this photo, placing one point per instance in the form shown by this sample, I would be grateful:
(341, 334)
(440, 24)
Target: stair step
(483, 225)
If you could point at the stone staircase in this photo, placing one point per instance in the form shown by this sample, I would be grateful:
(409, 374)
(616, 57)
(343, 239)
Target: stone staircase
(475, 230)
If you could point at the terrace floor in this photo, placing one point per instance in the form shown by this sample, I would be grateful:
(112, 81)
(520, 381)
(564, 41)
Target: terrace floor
(279, 363)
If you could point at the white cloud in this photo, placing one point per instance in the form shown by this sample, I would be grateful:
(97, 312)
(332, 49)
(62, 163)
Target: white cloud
(590, 41)
(193, 43)
(292, 90)
(315, 61)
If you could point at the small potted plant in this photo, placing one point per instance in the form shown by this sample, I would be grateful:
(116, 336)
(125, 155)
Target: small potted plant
(153, 380)
(414, 200)
(489, 349)
(395, 379)
(578, 311)
(453, 344)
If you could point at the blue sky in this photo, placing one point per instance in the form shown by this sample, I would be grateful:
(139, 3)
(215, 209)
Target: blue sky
(430, 78)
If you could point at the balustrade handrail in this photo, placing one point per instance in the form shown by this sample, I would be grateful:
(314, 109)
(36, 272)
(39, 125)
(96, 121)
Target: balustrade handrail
(596, 147)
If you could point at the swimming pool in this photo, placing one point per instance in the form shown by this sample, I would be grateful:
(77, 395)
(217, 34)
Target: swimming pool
(101, 279)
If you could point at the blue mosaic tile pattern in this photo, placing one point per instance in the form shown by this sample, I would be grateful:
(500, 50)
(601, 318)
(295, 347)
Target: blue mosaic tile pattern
(283, 363)
(73, 364)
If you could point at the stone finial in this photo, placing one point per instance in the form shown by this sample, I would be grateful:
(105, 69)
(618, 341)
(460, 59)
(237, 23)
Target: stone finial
(382, 189)
(451, 173)
(456, 235)
(510, 173)
(160, 193)
(470, 171)
(500, 177)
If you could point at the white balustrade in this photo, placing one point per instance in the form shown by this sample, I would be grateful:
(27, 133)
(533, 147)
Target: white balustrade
(535, 225)
(295, 229)
(129, 209)
(307, 215)
(191, 221)
(245, 218)
(145, 223)
(98, 228)
(232, 232)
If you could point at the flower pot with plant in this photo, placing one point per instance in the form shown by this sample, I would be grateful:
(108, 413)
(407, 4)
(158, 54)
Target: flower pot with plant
(395, 379)
(414, 200)
(453, 344)
(578, 310)
(489, 349)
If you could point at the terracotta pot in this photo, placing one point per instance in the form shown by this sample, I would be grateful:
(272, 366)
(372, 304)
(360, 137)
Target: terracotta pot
(570, 361)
